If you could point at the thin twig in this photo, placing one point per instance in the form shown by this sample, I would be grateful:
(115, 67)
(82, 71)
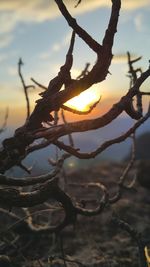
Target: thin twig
(78, 3)
(3, 127)
(25, 87)
(105, 145)
(135, 236)
(39, 84)
(71, 142)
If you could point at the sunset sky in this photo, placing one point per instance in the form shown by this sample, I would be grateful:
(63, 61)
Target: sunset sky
(36, 31)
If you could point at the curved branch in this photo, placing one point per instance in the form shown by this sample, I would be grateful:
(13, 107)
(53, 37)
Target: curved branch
(112, 26)
(101, 206)
(105, 145)
(49, 190)
(10, 197)
(5, 180)
(10, 181)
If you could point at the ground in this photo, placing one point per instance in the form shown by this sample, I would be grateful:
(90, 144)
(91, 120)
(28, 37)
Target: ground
(92, 242)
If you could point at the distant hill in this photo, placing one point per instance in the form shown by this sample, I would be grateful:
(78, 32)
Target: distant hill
(142, 147)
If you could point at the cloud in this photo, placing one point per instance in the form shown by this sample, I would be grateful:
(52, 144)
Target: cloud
(139, 22)
(3, 57)
(56, 47)
(13, 12)
(122, 58)
(134, 4)
(12, 71)
(6, 39)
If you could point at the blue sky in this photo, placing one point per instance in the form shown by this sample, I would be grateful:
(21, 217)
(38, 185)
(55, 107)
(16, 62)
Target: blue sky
(35, 31)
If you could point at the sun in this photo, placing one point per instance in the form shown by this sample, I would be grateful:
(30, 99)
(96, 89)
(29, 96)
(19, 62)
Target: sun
(85, 100)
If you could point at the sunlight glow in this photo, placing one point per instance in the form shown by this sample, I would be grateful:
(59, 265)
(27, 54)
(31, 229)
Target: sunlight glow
(147, 255)
(84, 101)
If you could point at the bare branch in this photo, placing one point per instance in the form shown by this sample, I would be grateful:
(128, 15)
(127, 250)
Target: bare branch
(3, 127)
(105, 145)
(145, 93)
(112, 114)
(130, 164)
(71, 142)
(41, 112)
(135, 236)
(84, 72)
(112, 27)
(121, 185)
(78, 3)
(49, 190)
(82, 33)
(23, 167)
(39, 84)
(53, 99)
(132, 71)
(135, 114)
(101, 205)
(10, 181)
(4, 180)
(25, 223)
(25, 87)
(23, 137)
(60, 89)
